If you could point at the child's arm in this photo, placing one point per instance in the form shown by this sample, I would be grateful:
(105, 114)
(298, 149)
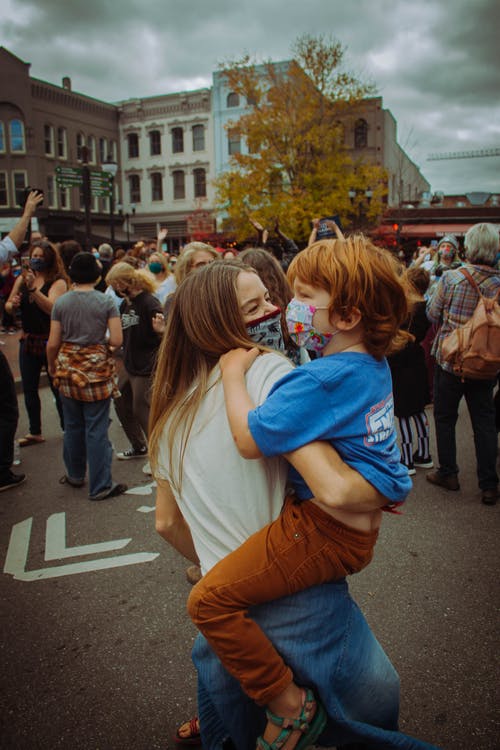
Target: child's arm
(332, 482)
(171, 524)
(233, 366)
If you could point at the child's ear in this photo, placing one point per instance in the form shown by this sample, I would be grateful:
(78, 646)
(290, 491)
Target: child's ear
(348, 320)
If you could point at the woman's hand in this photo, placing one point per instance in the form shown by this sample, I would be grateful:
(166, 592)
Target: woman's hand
(15, 300)
(29, 278)
(158, 323)
(237, 361)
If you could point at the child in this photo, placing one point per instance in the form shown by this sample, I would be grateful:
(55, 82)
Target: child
(410, 383)
(349, 304)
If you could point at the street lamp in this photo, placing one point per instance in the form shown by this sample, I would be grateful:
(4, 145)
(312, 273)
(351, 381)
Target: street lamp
(111, 168)
(363, 201)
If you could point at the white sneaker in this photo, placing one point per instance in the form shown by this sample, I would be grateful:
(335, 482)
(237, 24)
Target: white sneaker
(146, 469)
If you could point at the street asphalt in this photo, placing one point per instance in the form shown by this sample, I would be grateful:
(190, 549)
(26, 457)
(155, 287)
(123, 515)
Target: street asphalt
(96, 642)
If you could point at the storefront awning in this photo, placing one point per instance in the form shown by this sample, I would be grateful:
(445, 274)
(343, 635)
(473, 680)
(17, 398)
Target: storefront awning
(433, 230)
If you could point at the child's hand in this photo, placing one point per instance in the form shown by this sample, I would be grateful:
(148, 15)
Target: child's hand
(238, 361)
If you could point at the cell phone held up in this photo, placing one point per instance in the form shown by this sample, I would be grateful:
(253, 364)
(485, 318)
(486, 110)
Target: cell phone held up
(324, 231)
(26, 192)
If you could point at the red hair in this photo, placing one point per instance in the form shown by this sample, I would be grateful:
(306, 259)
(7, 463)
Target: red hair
(358, 275)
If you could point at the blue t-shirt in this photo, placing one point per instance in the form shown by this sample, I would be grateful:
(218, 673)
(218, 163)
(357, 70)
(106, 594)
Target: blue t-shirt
(343, 398)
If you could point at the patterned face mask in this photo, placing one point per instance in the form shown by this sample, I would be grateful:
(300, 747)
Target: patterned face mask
(299, 317)
(267, 330)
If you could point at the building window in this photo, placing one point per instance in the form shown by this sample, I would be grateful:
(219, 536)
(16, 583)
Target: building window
(179, 185)
(233, 100)
(177, 140)
(94, 203)
(48, 140)
(4, 189)
(156, 186)
(17, 144)
(112, 150)
(91, 149)
(133, 146)
(134, 184)
(200, 183)
(80, 143)
(361, 134)
(198, 138)
(233, 142)
(64, 201)
(62, 147)
(102, 150)
(2, 138)
(20, 184)
(155, 143)
(51, 192)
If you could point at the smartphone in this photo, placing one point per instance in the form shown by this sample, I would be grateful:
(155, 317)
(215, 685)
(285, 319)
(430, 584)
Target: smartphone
(324, 232)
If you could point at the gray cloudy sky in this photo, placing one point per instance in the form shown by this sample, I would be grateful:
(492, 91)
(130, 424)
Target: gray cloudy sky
(435, 62)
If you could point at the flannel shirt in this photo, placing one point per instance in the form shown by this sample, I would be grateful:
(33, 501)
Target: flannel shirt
(454, 300)
(85, 373)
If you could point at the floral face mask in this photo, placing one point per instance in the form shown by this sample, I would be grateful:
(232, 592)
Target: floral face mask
(299, 318)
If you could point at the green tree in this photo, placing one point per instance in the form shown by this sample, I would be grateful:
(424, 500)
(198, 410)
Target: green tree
(297, 166)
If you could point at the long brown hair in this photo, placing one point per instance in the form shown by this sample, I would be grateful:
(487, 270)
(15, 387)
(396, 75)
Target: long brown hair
(55, 267)
(357, 274)
(204, 322)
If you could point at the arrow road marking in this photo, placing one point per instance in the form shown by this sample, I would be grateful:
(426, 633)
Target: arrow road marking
(55, 541)
(17, 553)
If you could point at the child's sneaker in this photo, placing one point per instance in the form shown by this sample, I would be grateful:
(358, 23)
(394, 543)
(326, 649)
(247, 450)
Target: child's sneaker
(423, 462)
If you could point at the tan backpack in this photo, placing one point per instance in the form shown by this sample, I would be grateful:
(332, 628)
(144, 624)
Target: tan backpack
(473, 349)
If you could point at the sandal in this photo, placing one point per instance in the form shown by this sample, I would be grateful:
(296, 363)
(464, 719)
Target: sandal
(194, 737)
(30, 440)
(310, 728)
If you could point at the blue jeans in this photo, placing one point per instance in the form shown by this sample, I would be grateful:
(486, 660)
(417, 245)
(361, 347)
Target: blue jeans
(324, 638)
(86, 439)
(448, 392)
(31, 366)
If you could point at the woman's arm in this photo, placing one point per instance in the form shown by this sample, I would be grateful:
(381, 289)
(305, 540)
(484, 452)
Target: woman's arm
(332, 481)
(170, 523)
(115, 332)
(14, 299)
(53, 346)
(47, 303)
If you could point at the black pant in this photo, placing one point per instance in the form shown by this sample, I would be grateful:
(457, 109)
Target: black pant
(9, 415)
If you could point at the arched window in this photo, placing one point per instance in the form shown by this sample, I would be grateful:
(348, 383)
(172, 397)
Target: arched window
(17, 142)
(360, 134)
(154, 142)
(200, 183)
(156, 186)
(62, 143)
(134, 185)
(102, 150)
(133, 145)
(198, 138)
(177, 140)
(233, 100)
(91, 149)
(179, 184)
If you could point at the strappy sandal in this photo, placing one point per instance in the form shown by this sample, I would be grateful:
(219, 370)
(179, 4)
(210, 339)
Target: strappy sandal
(30, 440)
(193, 738)
(311, 729)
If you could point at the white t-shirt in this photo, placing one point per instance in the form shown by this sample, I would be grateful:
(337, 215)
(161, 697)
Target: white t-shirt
(224, 497)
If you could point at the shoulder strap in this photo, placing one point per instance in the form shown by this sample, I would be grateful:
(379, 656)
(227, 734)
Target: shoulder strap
(470, 279)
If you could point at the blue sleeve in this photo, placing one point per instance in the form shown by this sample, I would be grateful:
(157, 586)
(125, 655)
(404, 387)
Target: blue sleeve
(291, 416)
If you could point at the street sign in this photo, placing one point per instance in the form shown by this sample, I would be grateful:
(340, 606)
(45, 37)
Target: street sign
(69, 176)
(101, 184)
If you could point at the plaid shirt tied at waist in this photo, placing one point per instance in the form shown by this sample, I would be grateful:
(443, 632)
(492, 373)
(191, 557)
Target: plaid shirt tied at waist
(86, 373)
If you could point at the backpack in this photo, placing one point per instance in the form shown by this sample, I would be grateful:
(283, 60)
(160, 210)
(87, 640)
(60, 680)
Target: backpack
(473, 349)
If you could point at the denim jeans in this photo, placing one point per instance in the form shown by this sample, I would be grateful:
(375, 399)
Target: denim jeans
(31, 366)
(324, 638)
(86, 439)
(448, 392)
(8, 416)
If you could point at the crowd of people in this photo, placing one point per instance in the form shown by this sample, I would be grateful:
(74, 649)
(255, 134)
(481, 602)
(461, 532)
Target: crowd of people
(244, 389)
